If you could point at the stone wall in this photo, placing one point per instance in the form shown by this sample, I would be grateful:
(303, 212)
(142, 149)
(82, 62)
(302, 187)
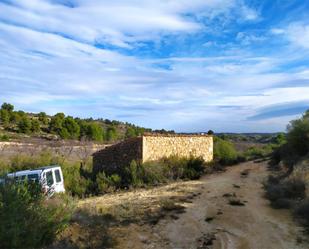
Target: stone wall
(157, 146)
(113, 159)
(151, 147)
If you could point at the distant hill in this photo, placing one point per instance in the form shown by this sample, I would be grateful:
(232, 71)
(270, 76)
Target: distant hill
(263, 138)
(18, 124)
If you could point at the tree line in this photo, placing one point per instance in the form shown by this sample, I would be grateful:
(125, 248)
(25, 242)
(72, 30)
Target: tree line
(68, 127)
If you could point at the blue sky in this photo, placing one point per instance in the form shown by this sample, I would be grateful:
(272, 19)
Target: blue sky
(229, 65)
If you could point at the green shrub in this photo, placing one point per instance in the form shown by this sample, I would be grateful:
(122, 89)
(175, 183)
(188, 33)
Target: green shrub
(4, 117)
(102, 183)
(70, 128)
(168, 168)
(107, 184)
(115, 180)
(285, 154)
(75, 184)
(27, 220)
(4, 138)
(296, 144)
(297, 136)
(24, 125)
(280, 139)
(224, 152)
(35, 125)
(131, 132)
(7, 106)
(135, 174)
(183, 168)
(174, 167)
(111, 133)
(55, 125)
(24, 161)
(154, 173)
(43, 118)
(195, 168)
(95, 132)
(259, 152)
(4, 169)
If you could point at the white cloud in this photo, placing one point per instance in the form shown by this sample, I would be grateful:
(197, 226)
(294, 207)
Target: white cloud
(120, 22)
(277, 31)
(249, 13)
(296, 32)
(248, 39)
(72, 71)
(48, 61)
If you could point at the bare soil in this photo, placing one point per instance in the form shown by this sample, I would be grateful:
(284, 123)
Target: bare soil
(249, 223)
(222, 210)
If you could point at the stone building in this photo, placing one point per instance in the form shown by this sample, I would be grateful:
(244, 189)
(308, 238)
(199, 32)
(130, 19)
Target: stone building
(152, 147)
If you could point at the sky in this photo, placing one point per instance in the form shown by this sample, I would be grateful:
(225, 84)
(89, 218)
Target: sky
(190, 66)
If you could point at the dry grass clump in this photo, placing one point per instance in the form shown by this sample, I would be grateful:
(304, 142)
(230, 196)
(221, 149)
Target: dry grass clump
(236, 202)
(301, 211)
(284, 193)
(169, 205)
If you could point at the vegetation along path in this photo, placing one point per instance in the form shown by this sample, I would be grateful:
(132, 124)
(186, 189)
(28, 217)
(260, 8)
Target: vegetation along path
(223, 210)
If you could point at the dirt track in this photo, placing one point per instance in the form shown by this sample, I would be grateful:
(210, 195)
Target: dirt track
(254, 225)
(184, 215)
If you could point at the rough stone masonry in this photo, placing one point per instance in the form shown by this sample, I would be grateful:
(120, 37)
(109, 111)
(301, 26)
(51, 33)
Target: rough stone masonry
(152, 147)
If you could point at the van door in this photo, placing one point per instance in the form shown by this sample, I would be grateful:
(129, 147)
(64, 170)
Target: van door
(50, 181)
(59, 186)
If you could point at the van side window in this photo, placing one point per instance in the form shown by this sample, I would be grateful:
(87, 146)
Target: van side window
(33, 177)
(49, 178)
(57, 175)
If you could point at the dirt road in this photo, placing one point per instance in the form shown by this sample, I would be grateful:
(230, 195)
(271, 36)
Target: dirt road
(210, 221)
(254, 225)
(222, 210)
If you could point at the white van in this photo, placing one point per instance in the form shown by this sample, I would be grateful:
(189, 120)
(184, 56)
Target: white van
(50, 178)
